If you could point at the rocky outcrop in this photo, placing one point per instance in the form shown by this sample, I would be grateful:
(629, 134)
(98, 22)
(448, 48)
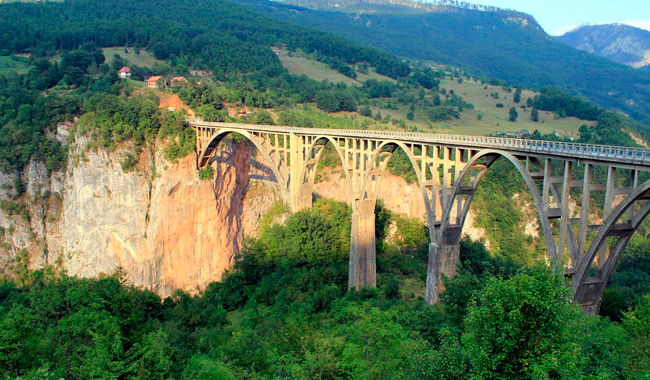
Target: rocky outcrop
(163, 225)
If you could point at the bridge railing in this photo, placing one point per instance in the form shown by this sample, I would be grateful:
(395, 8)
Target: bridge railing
(587, 151)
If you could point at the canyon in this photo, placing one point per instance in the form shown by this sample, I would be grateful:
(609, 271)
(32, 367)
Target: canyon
(160, 223)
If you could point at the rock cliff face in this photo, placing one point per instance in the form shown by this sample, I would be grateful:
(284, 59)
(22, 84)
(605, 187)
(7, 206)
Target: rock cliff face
(166, 227)
(163, 225)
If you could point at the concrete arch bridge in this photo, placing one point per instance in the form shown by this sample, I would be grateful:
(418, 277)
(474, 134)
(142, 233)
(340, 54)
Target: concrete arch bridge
(602, 184)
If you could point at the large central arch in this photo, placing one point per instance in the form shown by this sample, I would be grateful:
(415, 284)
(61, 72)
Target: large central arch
(448, 235)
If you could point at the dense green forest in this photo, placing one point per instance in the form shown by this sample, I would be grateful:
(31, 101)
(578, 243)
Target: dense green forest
(496, 44)
(283, 312)
(214, 35)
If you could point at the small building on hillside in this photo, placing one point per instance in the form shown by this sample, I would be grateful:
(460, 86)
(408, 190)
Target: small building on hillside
(177, 81)
(124, 72)
(153, 82)
(524, 134)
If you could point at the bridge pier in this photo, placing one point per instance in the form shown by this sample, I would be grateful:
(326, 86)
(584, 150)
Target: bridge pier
(589, 294)
(442, 261)
(363, 267)
(305, 198)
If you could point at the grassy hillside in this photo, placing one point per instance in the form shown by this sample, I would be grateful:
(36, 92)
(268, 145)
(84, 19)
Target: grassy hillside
(496, 119)
(144, 58)
(480, 95)
(8, 64)
(301, 64)
(493, 44)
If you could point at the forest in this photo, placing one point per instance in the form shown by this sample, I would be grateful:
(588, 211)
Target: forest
(513, 48)
(283, 312)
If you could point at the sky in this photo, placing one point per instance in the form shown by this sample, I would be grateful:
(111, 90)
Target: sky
(559, 16)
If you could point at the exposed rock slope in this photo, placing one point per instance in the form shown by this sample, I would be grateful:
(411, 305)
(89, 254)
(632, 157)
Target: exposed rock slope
(620, 43)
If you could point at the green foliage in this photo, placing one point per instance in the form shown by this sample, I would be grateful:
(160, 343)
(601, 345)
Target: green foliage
(116, 119)
(636, 323)
(206, 173)
(558, 101)
(522, 328)
(276, 210)
(517, 97)
(630, 280)
(129, 161)
(334, 101)
(400, 165)
(365, 111)
(286, 314)
(411, 232)
(513, 114)
(307, 237)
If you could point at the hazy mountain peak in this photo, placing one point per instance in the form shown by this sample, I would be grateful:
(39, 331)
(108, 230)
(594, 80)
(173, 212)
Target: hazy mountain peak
(619, 42)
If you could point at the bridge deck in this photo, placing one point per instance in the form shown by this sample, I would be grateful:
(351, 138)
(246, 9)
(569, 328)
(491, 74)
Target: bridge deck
(564, 150)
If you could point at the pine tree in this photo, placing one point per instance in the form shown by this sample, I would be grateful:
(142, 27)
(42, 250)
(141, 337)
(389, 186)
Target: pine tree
(513, 114)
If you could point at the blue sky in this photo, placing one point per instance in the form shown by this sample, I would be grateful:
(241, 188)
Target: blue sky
(559, 16)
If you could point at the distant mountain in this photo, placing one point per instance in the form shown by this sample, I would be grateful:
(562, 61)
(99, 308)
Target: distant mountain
(490, 42)
(621, 43)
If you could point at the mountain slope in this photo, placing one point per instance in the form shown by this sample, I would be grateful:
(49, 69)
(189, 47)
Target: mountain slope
(496, 44)
(621, 43)
(213, 34)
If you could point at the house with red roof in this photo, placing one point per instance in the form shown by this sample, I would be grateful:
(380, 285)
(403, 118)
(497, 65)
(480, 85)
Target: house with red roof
(124, 72)
(154, 81)
(177, 81)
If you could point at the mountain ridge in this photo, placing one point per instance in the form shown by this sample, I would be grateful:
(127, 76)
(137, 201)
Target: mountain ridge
(488, 44)
(620, 43)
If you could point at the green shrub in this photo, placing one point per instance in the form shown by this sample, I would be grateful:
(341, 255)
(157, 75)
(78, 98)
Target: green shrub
(206, 173)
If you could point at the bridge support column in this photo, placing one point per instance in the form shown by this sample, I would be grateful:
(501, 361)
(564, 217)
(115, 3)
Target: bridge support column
(589, 294)
(304, 197)
(363, 267)
(442, 261)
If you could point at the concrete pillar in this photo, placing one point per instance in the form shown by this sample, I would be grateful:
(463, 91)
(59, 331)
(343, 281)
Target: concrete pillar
(305, 196)
(363, 267)
(295, 164)
(589, 294)
(442, 261)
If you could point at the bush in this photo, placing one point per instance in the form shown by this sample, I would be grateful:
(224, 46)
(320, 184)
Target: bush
(206, 173)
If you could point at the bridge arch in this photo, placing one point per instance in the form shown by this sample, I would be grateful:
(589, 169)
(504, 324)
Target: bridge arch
(362, 243)
(490, 156)
(223, 132)
(308, 170)
(372, 182)
(588, 290)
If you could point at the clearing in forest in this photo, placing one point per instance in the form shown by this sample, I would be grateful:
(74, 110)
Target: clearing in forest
(144, 59)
